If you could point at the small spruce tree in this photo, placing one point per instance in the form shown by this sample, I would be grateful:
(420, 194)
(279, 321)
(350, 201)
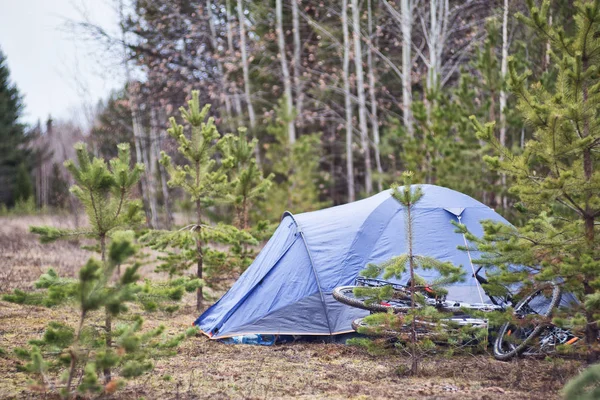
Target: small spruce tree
(206, 182)
(71, 357)
(247, 182)
(407, 195)
(105, 192)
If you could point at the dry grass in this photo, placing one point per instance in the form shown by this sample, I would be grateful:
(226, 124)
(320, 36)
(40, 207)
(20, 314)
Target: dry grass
(208, 369)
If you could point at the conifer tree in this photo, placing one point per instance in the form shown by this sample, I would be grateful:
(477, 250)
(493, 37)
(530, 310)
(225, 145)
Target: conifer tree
(74, 352)
(205, 182)
(58, 188)
(557, 182)
(23, 184)
(407, 195)
(585, 386)
(246, 178)
(105, 193)
(13, 152)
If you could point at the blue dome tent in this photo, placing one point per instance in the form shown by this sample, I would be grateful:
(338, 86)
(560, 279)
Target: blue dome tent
(287, 289)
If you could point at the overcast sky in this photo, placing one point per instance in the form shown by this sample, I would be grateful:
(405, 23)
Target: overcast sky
(54, 70)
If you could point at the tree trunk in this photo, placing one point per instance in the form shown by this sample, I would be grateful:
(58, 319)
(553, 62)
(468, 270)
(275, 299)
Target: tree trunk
(287, 83)
(107, 316)
(373, 99)
(591, 332)
(360, 90)
(503, 71)
(503, 95)
(246, 73)
(159, 171)
(413, 334)
(148, 200)
(199, 294)
(438, 13)
(237, 103)
(406, 12)
(245, 66)
(215, 49)
(297, 62)
(348, 105)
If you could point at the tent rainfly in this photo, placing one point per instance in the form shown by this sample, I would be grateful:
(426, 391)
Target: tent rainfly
(287, 289)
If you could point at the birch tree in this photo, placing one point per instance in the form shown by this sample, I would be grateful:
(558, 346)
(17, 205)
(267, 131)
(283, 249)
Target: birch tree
(503, 71)
(215, 48)
(435, 38)
(406, 9)
(287, 82)
(148, 189)
(373, 98)
(348, 104)
(297, 62)
(245, 65)
(360, 90)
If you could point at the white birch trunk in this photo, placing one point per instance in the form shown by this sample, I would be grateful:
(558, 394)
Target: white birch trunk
(220, 69)
(360, 90)
(407, 18)
(503, 72)
(149, 203)
(297, 62)
(156, 142)
(152, 169)
(373, 99)
(348, 105)
(287, 83)
(245, 65)
(438, 13)
(237, 102)
(246, 73)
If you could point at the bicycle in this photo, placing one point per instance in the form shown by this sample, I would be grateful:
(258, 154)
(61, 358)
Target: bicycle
(532, 314)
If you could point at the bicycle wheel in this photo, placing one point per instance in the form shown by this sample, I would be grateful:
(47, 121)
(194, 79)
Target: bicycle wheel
(515, 338)
(345, 295)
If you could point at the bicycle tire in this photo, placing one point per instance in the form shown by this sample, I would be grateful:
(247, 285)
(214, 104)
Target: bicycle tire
(503, 349)
(345, 295)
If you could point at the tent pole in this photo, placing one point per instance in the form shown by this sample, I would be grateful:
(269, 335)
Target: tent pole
(316, 277)
(471, 262)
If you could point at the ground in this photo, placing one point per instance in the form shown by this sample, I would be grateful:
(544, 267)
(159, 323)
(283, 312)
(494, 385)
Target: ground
(203, 368)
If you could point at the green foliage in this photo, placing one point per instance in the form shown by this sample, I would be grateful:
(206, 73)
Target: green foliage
(105, 192)
(15, 156)
(58, 192)
(295, 168)
(585, 386)
(555, 177)
(246, 178)
(83, 350)
(23, 184)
